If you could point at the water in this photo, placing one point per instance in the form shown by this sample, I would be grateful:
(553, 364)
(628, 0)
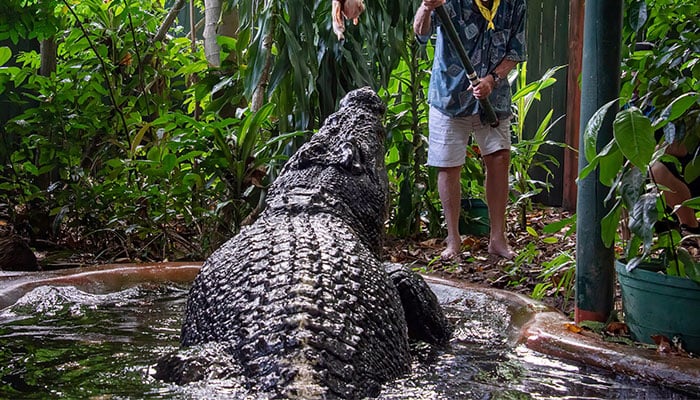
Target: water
(61, 342)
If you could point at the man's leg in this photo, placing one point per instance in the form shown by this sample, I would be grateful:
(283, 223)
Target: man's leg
(497, 167)
(678, 193)
(449, 188)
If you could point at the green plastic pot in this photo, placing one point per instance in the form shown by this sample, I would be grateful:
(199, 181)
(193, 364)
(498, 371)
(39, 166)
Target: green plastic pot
(658, 304)
(474, 219)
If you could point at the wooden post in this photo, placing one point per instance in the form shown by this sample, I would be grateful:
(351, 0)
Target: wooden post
(573, 103)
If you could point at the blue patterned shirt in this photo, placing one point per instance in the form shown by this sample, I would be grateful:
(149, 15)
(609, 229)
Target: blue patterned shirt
(486, 49)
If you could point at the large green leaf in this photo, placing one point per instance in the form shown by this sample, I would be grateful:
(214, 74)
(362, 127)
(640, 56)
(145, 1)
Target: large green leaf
(635, 136)
(637, 14)
(631, 186)
(610, 165)
(590, 134)
(692, 170)
(595, 162)
(609, 224)
(642, 218)
(5, 55)
(248, 134)
(693, 203)
(679, 106)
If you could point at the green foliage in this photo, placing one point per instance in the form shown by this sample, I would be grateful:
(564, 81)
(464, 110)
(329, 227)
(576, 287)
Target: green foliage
(414, 185)
(29, 19)
(525, 152)
(142, 143)
(669, 68)
(109, 148)
(6, 73)
(311, 69)
(557, 278)
(631, 188)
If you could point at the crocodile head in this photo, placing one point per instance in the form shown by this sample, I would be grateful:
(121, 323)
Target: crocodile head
(341, 169)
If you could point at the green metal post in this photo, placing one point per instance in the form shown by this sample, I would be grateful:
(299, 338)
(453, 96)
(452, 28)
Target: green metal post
(600, 83)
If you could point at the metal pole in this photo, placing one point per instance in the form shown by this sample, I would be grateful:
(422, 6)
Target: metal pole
(600, 83)
(471, 74)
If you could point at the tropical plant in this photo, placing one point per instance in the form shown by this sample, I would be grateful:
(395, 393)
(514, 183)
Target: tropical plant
(525, 151)
(633, 189)
(406, 125)
(556, 278)
(292, 47)
(112, 147)
(625, 164)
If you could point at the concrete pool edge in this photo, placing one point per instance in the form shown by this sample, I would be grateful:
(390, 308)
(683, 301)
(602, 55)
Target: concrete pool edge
(543, 329)
(96, 279)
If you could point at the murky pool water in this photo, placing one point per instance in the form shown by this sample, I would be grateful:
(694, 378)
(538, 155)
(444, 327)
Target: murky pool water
(61, 342)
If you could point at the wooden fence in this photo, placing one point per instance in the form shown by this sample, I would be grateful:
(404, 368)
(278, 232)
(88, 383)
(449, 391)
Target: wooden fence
(554, 32)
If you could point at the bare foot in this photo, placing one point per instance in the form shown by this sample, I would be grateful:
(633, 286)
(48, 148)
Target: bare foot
(452, 249)
(501, 249)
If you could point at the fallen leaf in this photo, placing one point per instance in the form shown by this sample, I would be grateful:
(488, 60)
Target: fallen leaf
(470, 241)
(432, 243)
(573, 328)
(663, 343)
(617, 328)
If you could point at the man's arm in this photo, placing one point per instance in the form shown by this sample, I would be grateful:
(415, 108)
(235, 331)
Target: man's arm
(488, 83)
(504, 68)
(421, 22)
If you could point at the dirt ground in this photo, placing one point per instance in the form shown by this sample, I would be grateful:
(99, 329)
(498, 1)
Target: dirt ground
(535, 251)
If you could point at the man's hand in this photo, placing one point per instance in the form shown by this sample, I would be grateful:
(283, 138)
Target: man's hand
(430, 5)
(484, 88)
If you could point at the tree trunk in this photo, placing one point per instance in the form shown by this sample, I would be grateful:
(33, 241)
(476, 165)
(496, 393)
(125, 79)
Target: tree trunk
(193, 27)
(48, 56)
(47, 50)
(217, 21)
(212, 15)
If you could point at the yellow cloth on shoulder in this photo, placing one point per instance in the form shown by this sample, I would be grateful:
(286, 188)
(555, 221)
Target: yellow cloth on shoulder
(488, 14)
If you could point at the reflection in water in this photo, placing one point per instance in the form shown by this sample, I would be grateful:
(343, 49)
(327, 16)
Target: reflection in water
(63, 342)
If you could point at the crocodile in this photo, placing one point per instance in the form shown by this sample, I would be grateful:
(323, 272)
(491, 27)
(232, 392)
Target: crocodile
(299, 303)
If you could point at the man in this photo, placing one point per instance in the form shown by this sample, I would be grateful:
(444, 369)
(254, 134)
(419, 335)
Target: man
(493, 34)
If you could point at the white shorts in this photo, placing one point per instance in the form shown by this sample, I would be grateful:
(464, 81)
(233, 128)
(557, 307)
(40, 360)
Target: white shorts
(448, 138)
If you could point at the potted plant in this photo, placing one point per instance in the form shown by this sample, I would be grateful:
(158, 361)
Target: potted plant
(659, 279)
